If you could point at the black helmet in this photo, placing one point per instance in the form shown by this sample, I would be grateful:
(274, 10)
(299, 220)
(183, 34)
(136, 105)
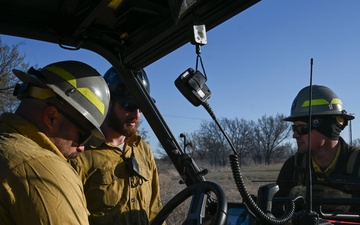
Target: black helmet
(324, 102)
(77, 83)
(117, 86)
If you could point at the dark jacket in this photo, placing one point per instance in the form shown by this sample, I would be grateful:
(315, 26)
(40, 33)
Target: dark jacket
(346, 171)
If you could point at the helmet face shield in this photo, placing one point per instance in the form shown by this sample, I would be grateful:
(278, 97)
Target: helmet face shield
(324, 102)
(77, 84)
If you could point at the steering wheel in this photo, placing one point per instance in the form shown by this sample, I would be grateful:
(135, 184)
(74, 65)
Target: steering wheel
(198, 191)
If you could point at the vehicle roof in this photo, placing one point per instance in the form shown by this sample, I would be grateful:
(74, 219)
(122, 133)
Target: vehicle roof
(129, 34)
(141, 31)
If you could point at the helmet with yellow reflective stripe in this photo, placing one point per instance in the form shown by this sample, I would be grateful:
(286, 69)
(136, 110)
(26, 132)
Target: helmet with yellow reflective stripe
(76, 83)
(324, 102)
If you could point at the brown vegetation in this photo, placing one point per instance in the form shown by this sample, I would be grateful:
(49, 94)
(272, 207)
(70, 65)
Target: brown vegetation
(254, 177)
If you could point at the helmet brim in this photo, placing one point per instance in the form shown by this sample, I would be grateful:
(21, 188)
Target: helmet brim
(28, 78)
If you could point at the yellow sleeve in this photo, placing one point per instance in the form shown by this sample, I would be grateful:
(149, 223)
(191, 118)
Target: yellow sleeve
(45, 190)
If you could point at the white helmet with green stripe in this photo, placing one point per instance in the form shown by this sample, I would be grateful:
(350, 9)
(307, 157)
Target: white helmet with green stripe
(324, 102)
(76, 83)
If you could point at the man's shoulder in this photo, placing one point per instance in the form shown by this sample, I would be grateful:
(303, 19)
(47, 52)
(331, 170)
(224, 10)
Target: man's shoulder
(296, 160)
(295, 157)
(19, 153)
(353, 164)
(347, 148)
(144, 142)
(94, 157)
(144, 145)
(17, 147)
(103, 151)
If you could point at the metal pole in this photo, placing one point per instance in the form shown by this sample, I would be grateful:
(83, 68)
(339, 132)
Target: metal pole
(350, 130)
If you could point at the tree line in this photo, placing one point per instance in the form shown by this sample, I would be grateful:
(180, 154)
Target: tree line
(264, 141)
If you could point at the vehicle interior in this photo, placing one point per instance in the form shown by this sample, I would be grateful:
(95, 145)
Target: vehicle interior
(130, 35)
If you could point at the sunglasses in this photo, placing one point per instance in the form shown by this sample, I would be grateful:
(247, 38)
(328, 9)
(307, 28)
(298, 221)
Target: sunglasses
(84, 134)
(131, 107)
(126, 101)
(301, 129)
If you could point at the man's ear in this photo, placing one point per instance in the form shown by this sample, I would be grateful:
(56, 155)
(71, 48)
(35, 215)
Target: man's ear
(50, 115)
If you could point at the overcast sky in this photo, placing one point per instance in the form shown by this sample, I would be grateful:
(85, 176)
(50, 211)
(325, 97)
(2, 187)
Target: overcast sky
(256, 62)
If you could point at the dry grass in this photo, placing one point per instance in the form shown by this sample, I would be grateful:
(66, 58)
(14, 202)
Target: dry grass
(253, 176)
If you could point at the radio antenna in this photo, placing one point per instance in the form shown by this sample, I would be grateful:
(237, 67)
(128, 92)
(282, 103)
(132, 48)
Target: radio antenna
(312, 217)
(308, 162)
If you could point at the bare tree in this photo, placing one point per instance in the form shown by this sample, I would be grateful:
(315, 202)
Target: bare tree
(283, 152)
(10, 59)
(255, 145)
(269, 133)
(213, 141)
(239, 132)
(143, 132)
(160, 152)
(262, 140)
(356, 142)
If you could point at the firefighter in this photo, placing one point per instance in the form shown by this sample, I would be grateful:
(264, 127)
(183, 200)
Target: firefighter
(61, 105)
(120, 176)
(334, 164)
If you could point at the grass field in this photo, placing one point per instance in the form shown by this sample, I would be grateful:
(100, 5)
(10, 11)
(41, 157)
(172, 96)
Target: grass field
(253, 176)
